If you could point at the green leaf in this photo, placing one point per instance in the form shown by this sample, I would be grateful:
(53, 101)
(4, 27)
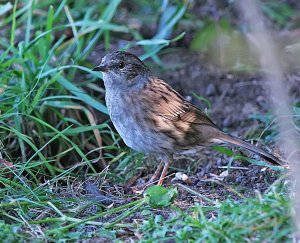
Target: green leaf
(152, 42)
(80, 93)
(223, 150)
(159, 196)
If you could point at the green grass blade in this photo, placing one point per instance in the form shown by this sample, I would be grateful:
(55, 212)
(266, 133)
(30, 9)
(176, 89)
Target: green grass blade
(13, 26)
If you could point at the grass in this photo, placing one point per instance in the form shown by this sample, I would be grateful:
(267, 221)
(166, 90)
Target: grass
(59, 148)
(255, 220)
(53, 217)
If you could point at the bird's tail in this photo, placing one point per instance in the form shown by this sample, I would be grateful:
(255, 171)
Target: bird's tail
(238, 142)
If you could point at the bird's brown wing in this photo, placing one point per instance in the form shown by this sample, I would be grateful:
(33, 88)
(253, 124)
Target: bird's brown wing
(173, 107)
(186, 112)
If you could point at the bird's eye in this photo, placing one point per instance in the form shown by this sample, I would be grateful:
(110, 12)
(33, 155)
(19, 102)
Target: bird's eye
(121, 65)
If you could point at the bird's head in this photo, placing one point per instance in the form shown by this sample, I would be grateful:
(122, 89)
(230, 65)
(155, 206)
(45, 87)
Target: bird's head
(122, 69)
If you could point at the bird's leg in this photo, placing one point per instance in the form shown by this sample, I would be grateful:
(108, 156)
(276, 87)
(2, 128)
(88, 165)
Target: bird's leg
(154, 177)
(156, 174)
(161, 170)
(164, 172)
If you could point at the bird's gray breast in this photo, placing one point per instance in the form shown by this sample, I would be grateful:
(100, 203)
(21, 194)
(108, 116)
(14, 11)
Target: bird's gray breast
(131, 128)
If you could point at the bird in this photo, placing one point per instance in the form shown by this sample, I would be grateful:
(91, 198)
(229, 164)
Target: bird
(152, 118)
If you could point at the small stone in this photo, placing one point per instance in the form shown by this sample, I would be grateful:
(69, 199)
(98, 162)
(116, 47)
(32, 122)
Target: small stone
(183, 177)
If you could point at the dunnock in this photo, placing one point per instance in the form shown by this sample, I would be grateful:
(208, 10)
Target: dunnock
(153, 118)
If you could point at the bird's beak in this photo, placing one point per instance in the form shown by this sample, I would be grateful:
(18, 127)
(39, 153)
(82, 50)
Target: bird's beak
(101, 68)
